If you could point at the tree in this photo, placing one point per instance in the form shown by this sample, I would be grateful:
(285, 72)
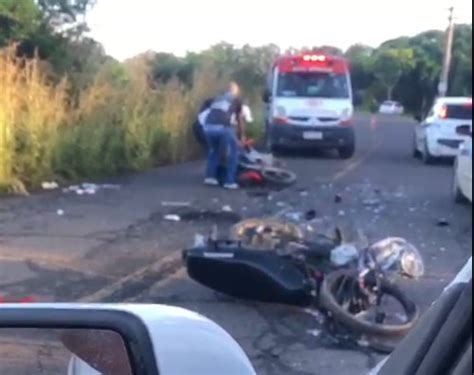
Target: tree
(330, 50)
(18, 20)
(461, 68)
(359, 58)
(66, 16)
(388, 66)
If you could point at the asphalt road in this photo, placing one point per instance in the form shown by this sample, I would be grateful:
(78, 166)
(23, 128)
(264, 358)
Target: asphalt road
(103, 245)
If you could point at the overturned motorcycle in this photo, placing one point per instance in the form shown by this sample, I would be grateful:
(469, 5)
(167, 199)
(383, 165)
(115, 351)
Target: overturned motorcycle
(256, 168)
(270, 261)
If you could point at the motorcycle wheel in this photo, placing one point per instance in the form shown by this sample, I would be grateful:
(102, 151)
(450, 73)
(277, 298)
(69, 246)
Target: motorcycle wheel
(340, 290)
(278, 176)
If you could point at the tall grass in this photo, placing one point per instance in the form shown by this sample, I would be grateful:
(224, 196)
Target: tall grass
(119, 123)
(31, 113)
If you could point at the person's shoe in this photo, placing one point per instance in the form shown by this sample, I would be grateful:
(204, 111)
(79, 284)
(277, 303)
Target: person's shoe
(211, 182)
(231, 186)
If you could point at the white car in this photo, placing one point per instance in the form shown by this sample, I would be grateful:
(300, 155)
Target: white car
(462, 187)
(447, 126)
(390, 107)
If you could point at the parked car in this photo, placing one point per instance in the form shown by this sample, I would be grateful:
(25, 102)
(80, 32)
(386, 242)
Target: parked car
(462, 185)
(447, 126)
(390, 107)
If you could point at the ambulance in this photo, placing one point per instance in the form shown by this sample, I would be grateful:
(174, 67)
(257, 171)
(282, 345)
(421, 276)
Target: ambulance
(309, 104)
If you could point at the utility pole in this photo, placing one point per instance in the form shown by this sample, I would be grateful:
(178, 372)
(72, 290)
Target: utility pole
(444, 81)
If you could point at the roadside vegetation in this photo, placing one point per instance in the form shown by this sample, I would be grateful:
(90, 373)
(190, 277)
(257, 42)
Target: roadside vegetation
(69, 112)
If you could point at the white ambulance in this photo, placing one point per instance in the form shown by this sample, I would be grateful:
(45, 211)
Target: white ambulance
(309, 103)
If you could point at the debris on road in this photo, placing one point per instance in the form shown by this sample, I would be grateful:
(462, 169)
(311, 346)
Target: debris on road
(338, 199)
(344, 254)
(49, 185)
(319, 317)
(294, 216)
(372, 202)
(311, 215)
(227, 209)
(314, 332)
(443, 223)
(175, 218)
(60, 212)
(89, 189)
(176, 204)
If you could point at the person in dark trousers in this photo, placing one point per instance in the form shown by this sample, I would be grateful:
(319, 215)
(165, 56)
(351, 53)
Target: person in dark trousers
(221, 135)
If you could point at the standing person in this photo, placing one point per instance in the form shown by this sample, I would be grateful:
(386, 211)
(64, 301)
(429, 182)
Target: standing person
(220, 133)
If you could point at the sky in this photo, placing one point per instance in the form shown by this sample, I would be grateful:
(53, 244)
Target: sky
(129, 27)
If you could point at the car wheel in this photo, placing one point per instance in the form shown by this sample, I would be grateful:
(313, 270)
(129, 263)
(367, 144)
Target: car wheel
(347, 152)
(457, 192)
(428, 159)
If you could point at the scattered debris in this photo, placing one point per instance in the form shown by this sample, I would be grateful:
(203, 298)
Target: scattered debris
(89, 189)
(281, 204)
(313, 332)
(320, 318)
(342, 213)
(227, 209)
(304, 193)
(176, 204)
(60, 212)
(344, 254)
(443, 223)
(49, 185)
(174, 218)
(338, 198)
(372, 202)
(294, 216)
(311, 215)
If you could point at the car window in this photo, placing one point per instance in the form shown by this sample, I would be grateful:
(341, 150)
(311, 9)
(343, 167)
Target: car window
(458, 112)
(62, 352)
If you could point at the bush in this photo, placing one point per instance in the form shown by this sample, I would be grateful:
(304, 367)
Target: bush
(119, 123)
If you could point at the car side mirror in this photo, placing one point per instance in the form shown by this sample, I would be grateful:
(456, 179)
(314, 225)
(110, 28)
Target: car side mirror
(267, 96)
(113, 339)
